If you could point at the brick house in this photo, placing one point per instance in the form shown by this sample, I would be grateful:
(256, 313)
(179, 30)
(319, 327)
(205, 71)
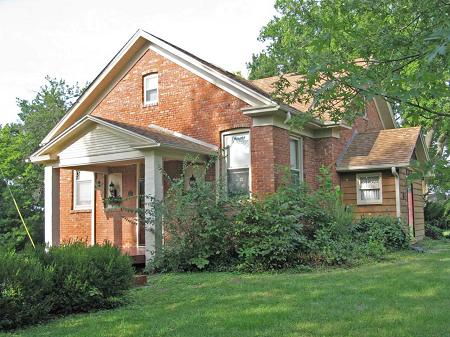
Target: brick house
(154, 104)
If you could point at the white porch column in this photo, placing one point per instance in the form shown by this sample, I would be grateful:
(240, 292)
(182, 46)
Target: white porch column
(153, 181)
(51, 205)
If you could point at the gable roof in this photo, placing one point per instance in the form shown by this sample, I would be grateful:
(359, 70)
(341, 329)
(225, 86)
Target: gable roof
(142, 138)
(380, 149)
(131, 52)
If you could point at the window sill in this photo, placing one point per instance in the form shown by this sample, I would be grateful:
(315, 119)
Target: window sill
(148, 105)
(369, 203)
(74, 211)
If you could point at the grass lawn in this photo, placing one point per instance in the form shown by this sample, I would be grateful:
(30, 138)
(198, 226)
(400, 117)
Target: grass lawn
(407, 295)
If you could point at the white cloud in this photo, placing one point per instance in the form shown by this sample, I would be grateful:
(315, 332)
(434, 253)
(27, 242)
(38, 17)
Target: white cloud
(74, 40)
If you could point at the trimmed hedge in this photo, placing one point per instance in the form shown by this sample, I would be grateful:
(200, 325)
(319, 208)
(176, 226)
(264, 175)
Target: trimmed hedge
(35, 284)
(25, 288)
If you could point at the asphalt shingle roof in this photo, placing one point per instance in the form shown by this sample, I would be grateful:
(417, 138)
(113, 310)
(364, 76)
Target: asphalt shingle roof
(392, 147)
(164, 138)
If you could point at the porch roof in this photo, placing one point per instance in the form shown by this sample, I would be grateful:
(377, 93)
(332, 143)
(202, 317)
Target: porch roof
(141, 137)
(382, 149)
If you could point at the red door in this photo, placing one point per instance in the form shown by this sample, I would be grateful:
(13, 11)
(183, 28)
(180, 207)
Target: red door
(411, 209)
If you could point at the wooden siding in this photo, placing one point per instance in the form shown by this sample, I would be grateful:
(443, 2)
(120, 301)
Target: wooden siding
(388, 207)
(419, 221)
(403, 194)
(348, 186)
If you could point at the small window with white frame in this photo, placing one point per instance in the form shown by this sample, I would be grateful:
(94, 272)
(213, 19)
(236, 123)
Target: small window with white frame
(369, 188)
(151, 89)
(82, 189)
(237, 160)
(296, 159)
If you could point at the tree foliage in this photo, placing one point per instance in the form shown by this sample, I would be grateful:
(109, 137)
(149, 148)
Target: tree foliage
(17, 142)
(349, 51)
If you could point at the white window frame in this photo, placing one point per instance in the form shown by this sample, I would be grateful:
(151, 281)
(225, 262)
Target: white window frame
(299, 156)
(225, 162)
(152, 75)
(75, 195)
(358, 189)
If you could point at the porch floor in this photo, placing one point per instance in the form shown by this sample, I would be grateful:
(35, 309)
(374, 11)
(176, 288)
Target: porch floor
(137, 254)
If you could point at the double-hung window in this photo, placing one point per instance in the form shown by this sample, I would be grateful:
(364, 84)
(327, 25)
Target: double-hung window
(151, 89)
(82, 189)
(237, 147)
(296, 160)
(369, 188)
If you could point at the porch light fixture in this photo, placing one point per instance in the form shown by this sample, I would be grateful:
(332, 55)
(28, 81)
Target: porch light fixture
(192, 180)
(112, 190)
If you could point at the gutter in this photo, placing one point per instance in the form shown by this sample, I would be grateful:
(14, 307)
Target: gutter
(397, 191)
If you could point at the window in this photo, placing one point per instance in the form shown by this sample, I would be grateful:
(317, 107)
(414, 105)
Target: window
(82, 189)
(369, 188)
(296, 159)
(237, 146)
(151, 89)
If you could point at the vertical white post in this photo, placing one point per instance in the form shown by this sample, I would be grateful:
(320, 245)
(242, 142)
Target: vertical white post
(153, 181)
(93, 206)
(51, 205)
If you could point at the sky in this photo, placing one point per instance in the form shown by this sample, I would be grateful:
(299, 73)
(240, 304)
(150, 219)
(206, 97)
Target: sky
(74, 40)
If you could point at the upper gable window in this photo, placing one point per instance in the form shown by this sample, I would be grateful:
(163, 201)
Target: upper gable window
(151, 89)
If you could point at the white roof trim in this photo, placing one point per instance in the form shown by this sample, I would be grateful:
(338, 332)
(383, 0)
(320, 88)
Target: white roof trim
(182, 136)
(369, 167)
(213, 76)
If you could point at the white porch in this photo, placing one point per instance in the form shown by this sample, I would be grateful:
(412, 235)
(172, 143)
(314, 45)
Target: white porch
(98, 146)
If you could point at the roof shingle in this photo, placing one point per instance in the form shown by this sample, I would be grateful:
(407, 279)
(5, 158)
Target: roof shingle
(384, 148)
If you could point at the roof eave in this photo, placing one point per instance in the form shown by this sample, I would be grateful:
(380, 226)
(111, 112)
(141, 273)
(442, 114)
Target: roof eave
(355, 168)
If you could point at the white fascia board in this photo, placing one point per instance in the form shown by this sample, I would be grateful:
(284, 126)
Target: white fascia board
(211, 75)
(91, 88)
(182, 136)
(369, 167)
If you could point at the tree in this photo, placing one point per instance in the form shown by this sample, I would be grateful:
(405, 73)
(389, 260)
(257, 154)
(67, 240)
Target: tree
(349, 51)
(26, 180)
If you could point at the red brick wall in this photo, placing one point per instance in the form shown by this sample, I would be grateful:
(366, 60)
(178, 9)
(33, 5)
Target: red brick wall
(328, 150)
(74, 225)
(269, 155)
(195, 107)
(114, 226)
(187, 103)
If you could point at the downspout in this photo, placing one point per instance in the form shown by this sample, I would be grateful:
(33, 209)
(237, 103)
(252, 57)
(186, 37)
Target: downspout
(397, 191)
(288, 116)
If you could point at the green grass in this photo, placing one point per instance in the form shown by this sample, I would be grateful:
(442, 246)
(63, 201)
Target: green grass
(407, 295)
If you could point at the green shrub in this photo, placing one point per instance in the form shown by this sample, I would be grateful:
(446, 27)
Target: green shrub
(87, 277)
(25, 288)
(437, 213)
(433, 232)
(387, 230)
(197, 227)
(294, 226)
(330, 246)
(268, 231)
(35, 284)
